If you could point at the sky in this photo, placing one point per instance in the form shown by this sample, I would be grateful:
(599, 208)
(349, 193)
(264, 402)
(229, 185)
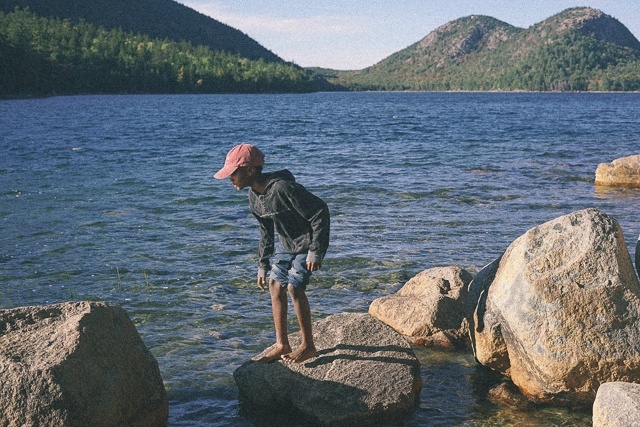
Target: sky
(352, 35)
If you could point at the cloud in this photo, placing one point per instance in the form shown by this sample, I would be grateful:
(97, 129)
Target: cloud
(310, 26)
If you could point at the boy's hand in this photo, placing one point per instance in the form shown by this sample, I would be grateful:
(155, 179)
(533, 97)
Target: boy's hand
(313, 266)
(261, 282)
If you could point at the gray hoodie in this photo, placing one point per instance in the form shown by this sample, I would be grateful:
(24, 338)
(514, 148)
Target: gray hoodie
(300, 218)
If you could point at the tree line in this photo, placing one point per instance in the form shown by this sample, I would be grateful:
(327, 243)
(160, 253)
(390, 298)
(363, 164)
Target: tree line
(43, 56)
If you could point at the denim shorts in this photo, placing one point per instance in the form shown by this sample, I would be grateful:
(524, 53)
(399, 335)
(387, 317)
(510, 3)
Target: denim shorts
(288, 268)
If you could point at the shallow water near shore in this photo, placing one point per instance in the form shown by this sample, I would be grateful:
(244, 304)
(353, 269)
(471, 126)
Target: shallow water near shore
(112, 198)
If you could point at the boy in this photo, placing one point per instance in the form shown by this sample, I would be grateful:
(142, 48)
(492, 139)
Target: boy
(302, 222)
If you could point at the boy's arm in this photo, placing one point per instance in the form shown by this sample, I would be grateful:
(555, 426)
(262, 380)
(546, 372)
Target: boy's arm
(265, 248)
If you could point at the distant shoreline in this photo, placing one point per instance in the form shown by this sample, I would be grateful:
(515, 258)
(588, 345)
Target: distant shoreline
(30, 96)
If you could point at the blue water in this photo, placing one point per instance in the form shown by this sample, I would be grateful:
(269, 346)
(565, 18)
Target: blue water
(112, 198)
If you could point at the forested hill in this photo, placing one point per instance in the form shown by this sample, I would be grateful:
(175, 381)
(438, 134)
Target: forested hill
(49, 56)
(579, 49)
(155, 18)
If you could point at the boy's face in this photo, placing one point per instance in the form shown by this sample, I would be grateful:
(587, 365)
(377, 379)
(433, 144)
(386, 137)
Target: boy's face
(242, 177)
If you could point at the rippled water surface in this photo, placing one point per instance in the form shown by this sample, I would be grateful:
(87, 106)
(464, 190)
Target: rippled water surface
(112, 198)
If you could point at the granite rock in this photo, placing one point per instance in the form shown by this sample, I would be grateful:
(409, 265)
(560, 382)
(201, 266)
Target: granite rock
(562, 314)
(430, 309)
(77, 364)
(364, 371)
(617, 404)
(622, 172)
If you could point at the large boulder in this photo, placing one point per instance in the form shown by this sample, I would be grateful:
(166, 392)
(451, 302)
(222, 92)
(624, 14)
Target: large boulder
(364, 371)
(430, 309)
(622, 172)
(562, 314)
(77, 364)
(617, 404)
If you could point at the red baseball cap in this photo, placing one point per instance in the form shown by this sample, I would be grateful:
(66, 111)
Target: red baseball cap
(238, 156)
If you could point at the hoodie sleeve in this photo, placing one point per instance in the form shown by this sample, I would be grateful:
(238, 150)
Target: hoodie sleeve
(265, 247)
(316, 212)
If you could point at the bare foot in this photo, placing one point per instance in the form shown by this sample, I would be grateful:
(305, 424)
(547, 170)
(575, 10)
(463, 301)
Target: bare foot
(275, 354)
(301, 354)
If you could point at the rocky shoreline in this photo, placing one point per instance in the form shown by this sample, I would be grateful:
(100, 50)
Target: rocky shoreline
(557, 314)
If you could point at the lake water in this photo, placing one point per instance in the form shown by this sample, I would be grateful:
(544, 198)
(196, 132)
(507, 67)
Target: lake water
(112, 198)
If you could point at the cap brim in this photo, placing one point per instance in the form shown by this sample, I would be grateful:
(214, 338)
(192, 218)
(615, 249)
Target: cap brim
(225, 172)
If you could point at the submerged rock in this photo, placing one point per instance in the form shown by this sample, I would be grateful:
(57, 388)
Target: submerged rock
(617, 404)
(507, 393)
(622, 172)
(77, 364)
(562, 314)
(364, 371)
(430, 309)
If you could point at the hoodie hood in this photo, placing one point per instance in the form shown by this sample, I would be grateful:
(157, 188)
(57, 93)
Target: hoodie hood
(282, 175)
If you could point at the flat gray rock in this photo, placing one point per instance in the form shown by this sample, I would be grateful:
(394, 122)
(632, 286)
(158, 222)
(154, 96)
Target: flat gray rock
(364, 371)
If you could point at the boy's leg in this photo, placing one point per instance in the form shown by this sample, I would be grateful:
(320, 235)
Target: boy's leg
(307, 349)
(279, 308)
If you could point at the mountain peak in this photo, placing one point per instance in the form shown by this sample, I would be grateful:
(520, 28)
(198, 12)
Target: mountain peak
(590, 21)
(466, 35)
(576, 50)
